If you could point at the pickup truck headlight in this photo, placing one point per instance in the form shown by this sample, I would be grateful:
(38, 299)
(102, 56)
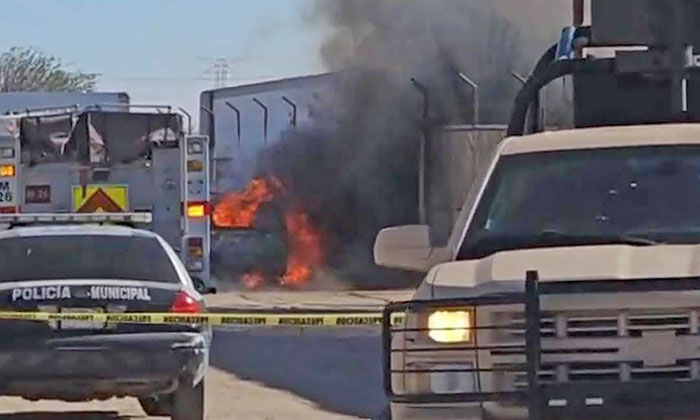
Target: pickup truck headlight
(451, 326)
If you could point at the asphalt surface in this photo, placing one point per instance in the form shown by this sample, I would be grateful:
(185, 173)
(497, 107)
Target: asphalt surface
(228, 398)
(279, 373)
(338, 369)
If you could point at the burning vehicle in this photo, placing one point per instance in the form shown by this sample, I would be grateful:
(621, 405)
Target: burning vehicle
(261, 238)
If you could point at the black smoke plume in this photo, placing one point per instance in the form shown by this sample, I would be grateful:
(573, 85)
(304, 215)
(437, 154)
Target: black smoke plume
(354, 167)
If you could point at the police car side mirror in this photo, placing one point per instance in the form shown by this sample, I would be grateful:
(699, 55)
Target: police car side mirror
(405, 247)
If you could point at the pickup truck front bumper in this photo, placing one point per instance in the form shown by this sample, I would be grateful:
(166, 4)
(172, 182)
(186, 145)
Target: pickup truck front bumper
(522, 379)
(102, 366)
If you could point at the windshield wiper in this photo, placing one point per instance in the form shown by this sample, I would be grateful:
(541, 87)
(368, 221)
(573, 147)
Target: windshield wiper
(637, 240)
(623, 238)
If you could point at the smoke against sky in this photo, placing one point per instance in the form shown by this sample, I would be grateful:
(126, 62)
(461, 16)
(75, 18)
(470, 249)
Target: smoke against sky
(432, 40)
(355, 172)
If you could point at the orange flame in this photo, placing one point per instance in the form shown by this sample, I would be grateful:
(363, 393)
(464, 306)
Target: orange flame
(253, 280)
(238, 209)
(306, 250)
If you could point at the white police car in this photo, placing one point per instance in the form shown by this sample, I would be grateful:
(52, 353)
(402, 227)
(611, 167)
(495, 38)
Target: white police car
(96, 268)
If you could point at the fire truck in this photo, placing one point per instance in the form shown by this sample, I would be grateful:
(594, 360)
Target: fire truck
(126, 161)
(570, 285)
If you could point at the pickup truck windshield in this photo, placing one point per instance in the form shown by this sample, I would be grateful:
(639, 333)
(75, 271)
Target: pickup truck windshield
(632, 195)
(85, 257)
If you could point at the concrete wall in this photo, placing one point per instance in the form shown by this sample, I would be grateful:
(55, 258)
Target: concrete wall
(455, 154)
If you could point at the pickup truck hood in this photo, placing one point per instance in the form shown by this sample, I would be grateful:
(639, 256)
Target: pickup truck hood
(609, 262)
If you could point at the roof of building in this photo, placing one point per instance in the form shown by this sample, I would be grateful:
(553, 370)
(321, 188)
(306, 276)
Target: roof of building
(271, 85)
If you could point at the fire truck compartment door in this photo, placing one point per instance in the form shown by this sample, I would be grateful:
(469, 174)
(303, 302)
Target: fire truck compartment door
(166, 194)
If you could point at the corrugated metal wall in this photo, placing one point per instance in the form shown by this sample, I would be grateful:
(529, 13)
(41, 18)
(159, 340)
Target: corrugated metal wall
(236, 148)
(454, 154)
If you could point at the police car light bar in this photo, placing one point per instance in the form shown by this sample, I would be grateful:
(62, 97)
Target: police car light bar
(140, 217)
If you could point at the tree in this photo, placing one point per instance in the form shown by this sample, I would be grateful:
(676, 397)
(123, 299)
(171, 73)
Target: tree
(30, 69)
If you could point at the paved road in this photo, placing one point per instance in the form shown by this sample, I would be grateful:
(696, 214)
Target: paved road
(338, 369)
(268, 374)
(227, 398)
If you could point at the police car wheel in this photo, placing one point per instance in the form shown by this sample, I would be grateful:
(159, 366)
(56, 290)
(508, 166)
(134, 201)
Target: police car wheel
(188, 402)
(157, 406)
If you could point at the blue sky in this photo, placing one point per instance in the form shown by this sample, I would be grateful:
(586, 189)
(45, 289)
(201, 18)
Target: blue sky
(160, 50)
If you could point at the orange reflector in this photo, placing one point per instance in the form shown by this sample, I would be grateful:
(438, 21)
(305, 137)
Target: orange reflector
(7, 170)
(195, 210)
(8, 209)
(195, 248)
(195, 252)
(195, 166)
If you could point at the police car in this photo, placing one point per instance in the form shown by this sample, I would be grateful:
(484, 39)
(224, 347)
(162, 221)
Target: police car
(93, 268)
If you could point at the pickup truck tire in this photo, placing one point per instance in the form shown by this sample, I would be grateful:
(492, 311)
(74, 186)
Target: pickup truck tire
(188, 402)
(157, 406)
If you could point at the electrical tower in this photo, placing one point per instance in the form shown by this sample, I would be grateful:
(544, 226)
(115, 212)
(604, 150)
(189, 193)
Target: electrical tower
(220, 67)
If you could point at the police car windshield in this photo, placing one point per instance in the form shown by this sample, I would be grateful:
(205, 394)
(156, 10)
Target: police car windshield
(639, 195)
(85, 257)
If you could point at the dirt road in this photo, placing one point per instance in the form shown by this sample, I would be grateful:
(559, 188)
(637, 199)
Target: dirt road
(227, 398)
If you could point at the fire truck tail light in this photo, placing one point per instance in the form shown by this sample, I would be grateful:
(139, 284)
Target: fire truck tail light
(8, 209)
(195, 247)
(185, 304)
(195, 165)
(195, 254)
(7, 170)
(197, 209)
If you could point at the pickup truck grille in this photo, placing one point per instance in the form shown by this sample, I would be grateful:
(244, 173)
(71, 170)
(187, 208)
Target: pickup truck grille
(608, 371)
(620, 324)
(600, 331)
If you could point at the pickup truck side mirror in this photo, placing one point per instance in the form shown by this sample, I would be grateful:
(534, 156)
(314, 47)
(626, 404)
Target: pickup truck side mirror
(405, 247)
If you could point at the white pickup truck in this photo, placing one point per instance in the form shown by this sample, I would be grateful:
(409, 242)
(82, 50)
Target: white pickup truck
(607, 223)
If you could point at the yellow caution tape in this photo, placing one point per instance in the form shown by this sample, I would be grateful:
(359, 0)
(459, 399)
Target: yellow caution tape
(211, 319)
